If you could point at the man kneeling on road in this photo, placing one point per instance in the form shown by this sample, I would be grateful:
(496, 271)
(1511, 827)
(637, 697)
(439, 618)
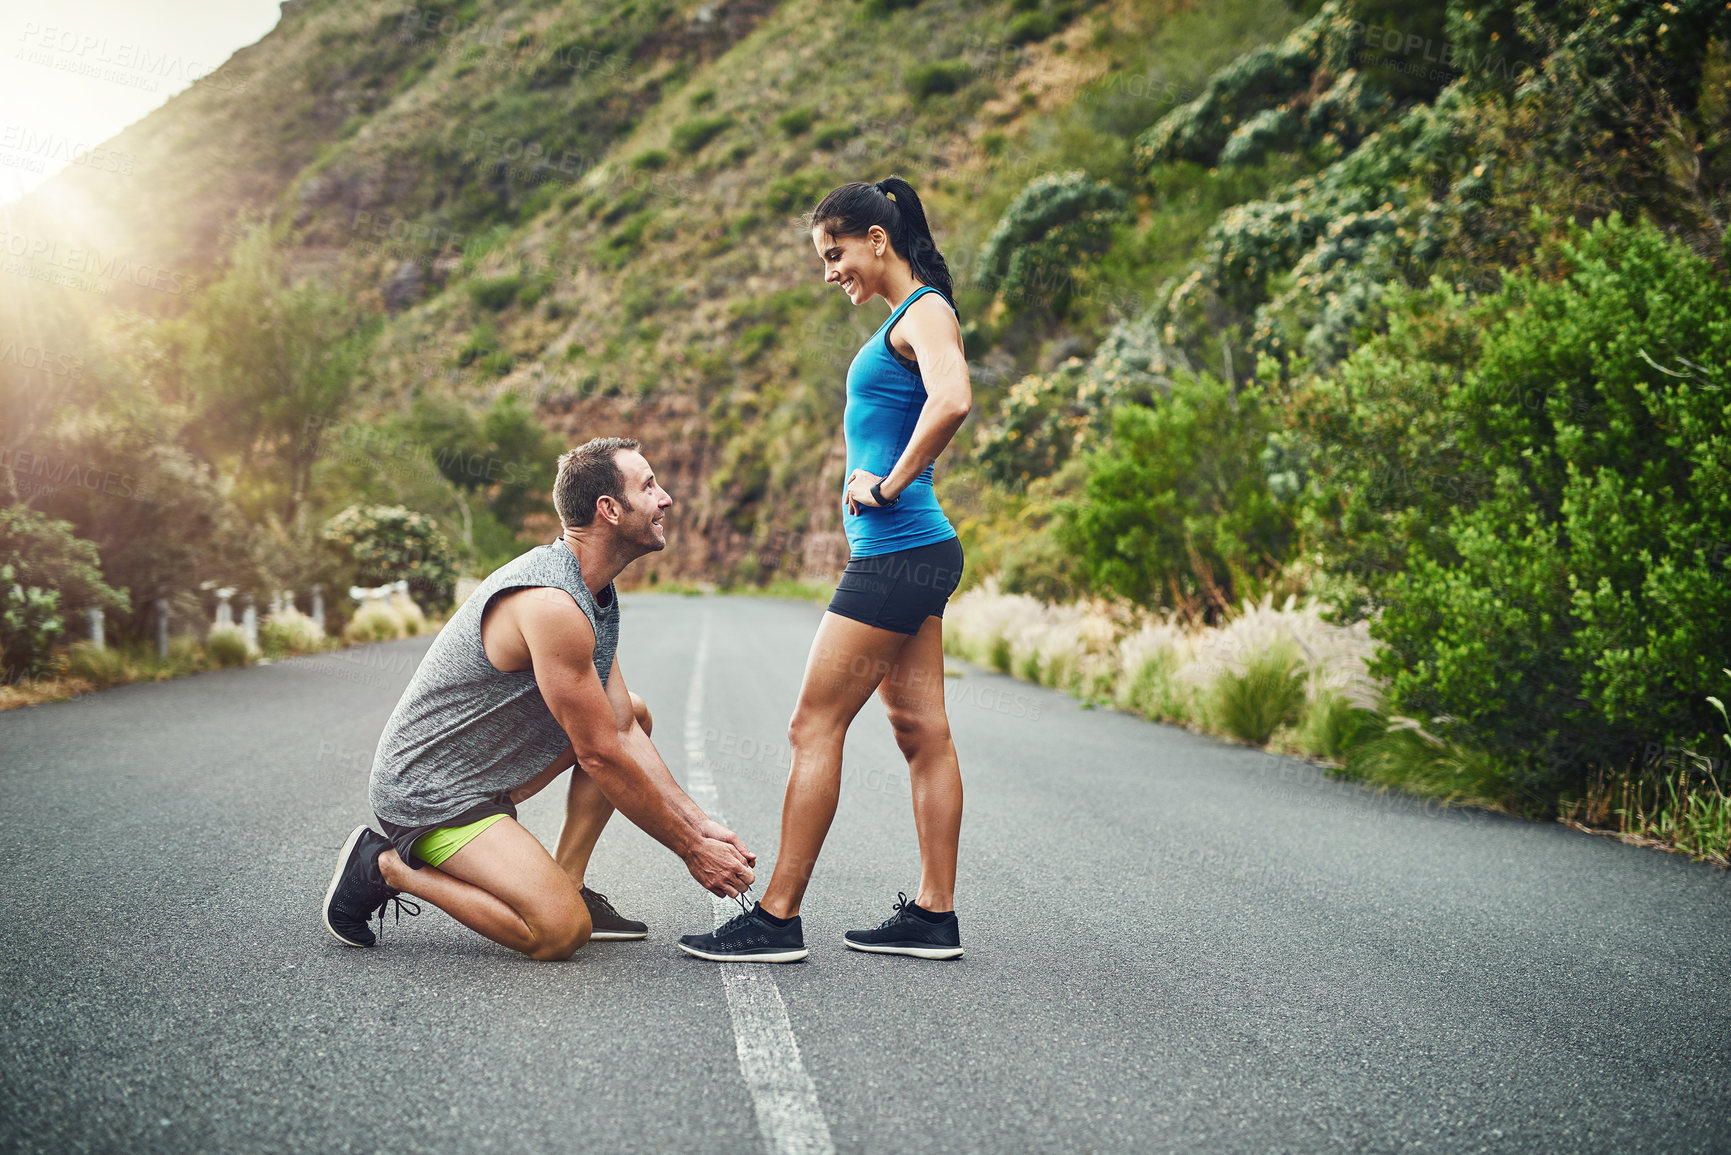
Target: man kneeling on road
(520, 685)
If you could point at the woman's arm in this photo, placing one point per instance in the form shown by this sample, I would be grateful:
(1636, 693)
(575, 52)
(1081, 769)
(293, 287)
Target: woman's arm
(931, 329)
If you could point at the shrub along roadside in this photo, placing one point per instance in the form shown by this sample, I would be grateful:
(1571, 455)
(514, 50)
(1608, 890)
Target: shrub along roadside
(1574, 619)
(81, 668)
(1288, 679)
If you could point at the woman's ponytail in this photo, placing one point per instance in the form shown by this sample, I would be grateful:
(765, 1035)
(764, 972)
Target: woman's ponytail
(892, 204)
(917, 243)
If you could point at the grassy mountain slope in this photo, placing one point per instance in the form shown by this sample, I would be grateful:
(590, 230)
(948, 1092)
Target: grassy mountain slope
(594, 205)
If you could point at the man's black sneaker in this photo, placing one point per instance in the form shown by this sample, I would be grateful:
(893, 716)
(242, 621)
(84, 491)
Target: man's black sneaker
(609, 925)
(749, 937)
(358, 890)
(906, 932)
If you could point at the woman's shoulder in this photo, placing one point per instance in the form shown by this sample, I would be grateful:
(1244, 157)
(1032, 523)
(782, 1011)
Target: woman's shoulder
(933, 309)
(930, 298)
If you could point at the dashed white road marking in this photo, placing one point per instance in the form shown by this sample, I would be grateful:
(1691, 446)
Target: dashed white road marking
(782, 1094)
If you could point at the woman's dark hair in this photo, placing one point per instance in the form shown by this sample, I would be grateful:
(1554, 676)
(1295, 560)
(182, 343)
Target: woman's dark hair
(848, 211)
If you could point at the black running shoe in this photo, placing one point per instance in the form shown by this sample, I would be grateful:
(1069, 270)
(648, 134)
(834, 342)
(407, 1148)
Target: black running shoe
(906, 932)
(749, 937)
(608, 924)
(358, 891)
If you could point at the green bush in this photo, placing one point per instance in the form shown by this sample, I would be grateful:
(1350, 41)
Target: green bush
(1331, 725)
(483, 343)
(1026, 27)
(226, 646)
(1046, 417)
(30, 623)
(1372, 457)
(1055, 224)
(1269, 694)
(1197, 131)
(1155, 691)
(495, 292)
(692, 135)
(1581, 611)
(45, 552)
(389, 543)
(1176, 499)
(796, 121)
(1408, 758)
(1268, 130)
(532, 290)
(628, 238)
(830, 136)
(651, 159)
(290, 633)
(376, 622)
(797, 192)
(937, 78)
(101, 668)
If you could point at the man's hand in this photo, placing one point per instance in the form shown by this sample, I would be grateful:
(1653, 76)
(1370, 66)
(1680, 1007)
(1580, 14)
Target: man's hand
(859, 490)
(713, 829)
(719, 867)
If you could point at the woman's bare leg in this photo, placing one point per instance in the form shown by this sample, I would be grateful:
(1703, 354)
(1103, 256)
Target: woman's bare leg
(848, 660)
(913, 695)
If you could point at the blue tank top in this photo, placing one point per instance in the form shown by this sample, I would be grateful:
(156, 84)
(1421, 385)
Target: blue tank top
(884, 398)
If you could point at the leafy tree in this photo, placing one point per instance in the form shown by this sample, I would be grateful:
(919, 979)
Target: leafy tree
(506, 454)
(1371, 455)
(1176, 501)
(1582, 609)
(46, 552)
(386, 544)
(158, 516)
(1046, 417)
(284, 359)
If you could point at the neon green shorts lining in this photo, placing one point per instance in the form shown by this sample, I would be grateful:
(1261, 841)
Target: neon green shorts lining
(435, 846)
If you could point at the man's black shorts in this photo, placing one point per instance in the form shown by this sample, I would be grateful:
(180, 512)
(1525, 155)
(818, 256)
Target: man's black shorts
(899, 591)
(403, 837)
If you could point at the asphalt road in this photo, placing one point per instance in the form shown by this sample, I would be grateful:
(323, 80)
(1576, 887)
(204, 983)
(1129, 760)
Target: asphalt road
(1173, 944)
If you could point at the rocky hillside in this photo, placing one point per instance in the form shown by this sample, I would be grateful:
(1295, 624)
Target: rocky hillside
(594, 205)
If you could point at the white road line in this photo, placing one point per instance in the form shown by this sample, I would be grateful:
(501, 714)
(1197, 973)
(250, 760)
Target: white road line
(782, 1094)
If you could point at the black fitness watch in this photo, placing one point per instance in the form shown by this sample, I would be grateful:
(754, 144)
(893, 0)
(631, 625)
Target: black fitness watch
(878, 495)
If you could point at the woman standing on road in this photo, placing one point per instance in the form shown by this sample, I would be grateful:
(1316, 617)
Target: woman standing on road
(907, 394)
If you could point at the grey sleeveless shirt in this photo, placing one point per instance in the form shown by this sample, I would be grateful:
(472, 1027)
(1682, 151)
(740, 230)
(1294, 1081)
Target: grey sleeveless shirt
(464, 730)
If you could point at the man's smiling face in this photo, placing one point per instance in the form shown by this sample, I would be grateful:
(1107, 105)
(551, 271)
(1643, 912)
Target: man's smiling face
(643, 518)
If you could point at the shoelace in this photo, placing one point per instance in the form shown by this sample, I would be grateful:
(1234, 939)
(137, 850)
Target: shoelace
(600, 900)
(744, 913)
(901, 911)
(413, 907)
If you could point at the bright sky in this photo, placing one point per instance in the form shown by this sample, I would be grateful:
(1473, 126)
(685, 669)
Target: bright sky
(75, 72)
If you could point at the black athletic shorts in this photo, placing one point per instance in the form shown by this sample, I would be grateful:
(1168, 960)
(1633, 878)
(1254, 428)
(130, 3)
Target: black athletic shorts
(403, 837)
(899, 591)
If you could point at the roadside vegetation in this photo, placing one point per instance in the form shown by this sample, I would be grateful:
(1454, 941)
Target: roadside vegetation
(1352, 378)
(1446, 367)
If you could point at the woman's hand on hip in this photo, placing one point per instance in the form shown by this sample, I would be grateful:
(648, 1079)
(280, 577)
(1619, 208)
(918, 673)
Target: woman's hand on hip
(859, 490)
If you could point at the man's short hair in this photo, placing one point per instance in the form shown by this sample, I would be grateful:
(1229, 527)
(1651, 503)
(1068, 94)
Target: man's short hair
(586, 474)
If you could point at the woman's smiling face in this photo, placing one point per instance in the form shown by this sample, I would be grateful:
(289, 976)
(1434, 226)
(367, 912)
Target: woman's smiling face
(854, 263)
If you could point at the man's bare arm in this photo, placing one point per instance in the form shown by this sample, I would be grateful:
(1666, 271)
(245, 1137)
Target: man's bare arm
(638, 745)
(561, 645)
